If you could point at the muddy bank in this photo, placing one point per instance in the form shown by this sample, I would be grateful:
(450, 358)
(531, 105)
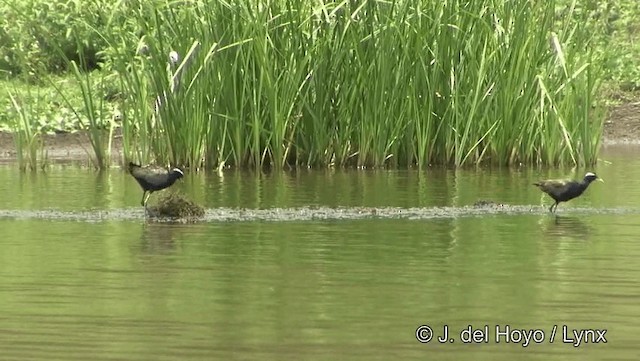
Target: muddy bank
(62, 146)
(621, 127)
(623, 124)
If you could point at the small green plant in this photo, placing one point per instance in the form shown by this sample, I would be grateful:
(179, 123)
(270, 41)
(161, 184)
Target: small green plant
(27, 138)
(94, 114)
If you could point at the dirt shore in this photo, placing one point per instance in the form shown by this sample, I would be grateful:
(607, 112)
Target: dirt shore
(61, 146)
(622, 126)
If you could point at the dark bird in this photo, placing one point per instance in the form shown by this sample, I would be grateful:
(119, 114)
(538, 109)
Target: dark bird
(565, 190)
(153, 178)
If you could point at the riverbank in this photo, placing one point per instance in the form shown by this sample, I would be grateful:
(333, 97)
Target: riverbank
(621, 127)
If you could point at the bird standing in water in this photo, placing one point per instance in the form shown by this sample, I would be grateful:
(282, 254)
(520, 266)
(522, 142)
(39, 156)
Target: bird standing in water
(153, 178)
(565, 190)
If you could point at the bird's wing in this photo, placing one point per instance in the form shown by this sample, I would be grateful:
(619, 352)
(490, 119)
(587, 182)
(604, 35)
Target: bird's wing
(554, 185)
(138, 171)
(154, 169)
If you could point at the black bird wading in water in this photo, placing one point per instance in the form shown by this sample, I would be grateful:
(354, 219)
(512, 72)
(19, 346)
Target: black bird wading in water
(153, 178)
(565, 190)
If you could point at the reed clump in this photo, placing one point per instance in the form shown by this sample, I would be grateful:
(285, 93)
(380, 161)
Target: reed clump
(27, 137)
(360, 83)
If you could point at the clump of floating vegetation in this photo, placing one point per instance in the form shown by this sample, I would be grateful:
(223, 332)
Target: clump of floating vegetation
(176, 206)
(486, 203)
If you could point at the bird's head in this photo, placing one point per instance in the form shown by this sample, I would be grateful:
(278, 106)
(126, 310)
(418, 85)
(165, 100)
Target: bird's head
(177, 173)
(590, 177)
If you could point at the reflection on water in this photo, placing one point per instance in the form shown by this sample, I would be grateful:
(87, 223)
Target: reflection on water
(100, 282)
(559, 226)
(159, 237)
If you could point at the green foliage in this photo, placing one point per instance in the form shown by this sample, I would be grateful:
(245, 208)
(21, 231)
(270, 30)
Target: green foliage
(48, 111)
(623, 60)
(26, 136)
(614, 26)
(38, 36)
(65, 105)
(95, 112)
(362, 83)
(369, 84)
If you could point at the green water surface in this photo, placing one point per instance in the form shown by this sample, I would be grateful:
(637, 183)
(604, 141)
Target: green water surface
(328, 289)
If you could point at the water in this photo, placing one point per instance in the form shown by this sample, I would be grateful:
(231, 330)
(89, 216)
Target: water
(323, 265)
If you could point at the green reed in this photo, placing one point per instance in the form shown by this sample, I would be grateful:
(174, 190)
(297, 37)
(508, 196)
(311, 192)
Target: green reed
(94, 113)
(26, 134)
(359, 83)
(93, 117)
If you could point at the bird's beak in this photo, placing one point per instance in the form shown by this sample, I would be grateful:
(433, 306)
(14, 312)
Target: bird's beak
(600, 180)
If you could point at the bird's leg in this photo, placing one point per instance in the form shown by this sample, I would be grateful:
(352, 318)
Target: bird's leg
(551, 208)
(142, 202)
(147, 199)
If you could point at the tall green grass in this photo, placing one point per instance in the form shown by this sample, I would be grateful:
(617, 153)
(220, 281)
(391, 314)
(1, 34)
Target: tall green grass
(93, 113)
(358, 83)
(93, 116)
(26, 134)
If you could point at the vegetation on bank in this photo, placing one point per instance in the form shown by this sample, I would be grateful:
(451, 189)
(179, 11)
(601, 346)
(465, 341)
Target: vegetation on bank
(289, 82)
